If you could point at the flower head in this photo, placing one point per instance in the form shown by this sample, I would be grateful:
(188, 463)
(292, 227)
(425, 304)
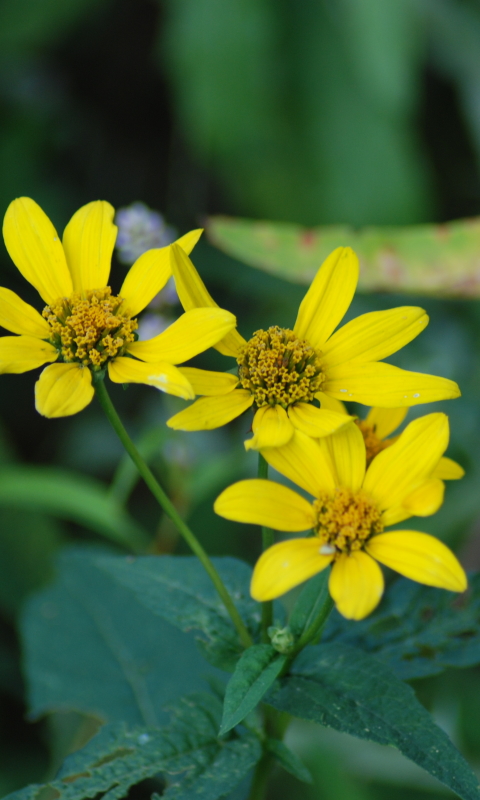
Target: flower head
(282, 372)
(85, 328)
(140, 229)
(351, 508)
(376, 428)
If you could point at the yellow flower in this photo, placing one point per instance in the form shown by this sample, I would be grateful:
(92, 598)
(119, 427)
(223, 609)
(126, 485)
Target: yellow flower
(379, 424)
(281, 371)
(84, 327)
(352, 506)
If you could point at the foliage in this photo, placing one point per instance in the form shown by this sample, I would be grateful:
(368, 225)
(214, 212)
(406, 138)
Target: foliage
(187, 752)
(418, 631)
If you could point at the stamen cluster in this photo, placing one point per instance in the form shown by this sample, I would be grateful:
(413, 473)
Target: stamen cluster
(278, 368)
(373, 444)
(88, 328)
(346, 519)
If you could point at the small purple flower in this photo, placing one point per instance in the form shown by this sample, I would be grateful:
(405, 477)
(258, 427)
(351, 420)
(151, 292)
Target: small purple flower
(140, 229)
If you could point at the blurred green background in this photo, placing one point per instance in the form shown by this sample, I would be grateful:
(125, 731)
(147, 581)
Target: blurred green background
(362, 112)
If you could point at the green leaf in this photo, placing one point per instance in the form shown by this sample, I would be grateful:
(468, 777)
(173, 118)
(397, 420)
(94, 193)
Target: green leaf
(419, 259)
(188, 749)
(289, 760)
(257, 669)
(90, 646)
(178, 589)
(343, 688)
(309, 602)
(70, 496)
(418, 631)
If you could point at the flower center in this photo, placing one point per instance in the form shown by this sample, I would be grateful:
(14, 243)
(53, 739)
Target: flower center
(278, 368)
(89, 328)
(373, 444)
(345, 520)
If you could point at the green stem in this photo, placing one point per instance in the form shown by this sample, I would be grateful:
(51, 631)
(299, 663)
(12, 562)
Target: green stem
(171, 511)
(260, 777)
(268, 540)
(276, 723)
(314, 630)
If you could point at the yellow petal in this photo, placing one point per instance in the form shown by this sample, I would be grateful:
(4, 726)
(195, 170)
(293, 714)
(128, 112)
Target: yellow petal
(88, 241)
(210, 383)
(395, 514)
(330, 404)
(420, 557)
(19, 317)
(347, 451)
(328, 297)
(191, 334)
(36, 250)
(374, 336)
(383, 385)
(316, 422)
(211, 412)
(448, 470)
(63, 390)
(193, 294)
(263, 502)
(286, 565)
(23, 353)
(271, 427)
(386, 420)
(163, 376)
(397, 471)
(356, 584)
(149, 274)
(426, 499)
(303, 462)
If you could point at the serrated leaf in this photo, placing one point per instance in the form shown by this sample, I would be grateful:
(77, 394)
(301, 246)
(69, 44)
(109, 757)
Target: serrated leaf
(256, 670)
(70, 496)
(188, 748)
(414, 258)
(178, 589)
(418, 631)
(289, 760)
(90, 646)
(343, 688)
(309, 602)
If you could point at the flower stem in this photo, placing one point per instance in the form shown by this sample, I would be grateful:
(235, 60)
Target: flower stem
(314, 630)
(171, 511)
(268, 540)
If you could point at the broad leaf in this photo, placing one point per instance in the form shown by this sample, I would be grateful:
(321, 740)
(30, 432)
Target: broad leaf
(187, 753)
(309, 602)
(178, 589)
(417, 630)
(419, 258)
(343, 688)
(289, 761)
(90, 646)
(256, 670)
(70, 496)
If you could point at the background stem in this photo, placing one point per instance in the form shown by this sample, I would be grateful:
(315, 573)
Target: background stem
(169, 508)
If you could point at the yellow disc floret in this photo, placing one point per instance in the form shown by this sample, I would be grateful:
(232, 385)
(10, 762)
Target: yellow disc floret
(278, 368)
(345, 520)
(373, 444)
(89, 328)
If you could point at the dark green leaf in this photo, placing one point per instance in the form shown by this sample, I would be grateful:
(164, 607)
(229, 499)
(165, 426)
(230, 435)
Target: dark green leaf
(188, 748)
(70, 496)
(289, 761)
(178, 589)
(256, 670)
(91, 647)
(417, 630)
(343, 688)
(309, 602)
